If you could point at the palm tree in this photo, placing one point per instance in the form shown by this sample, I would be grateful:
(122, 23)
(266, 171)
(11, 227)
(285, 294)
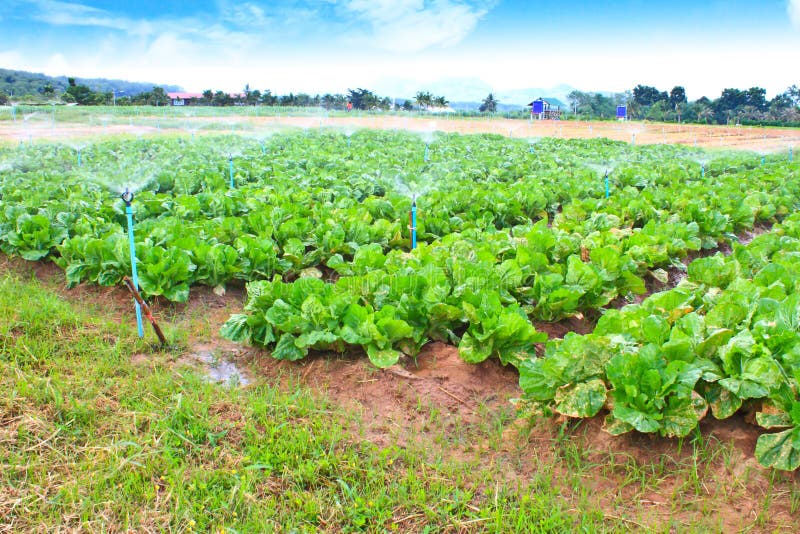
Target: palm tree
(489, 104)
(424, 99)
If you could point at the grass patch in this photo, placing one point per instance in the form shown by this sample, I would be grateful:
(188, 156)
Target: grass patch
(90, 440)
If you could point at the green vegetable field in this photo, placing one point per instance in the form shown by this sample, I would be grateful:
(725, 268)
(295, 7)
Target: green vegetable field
(686, 277)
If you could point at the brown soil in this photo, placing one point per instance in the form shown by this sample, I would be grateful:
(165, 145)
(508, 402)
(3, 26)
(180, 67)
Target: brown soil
(706, 136)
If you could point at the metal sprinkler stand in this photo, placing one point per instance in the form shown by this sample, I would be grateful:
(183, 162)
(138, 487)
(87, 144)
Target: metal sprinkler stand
(412, 216)
(147, 312)
(127, 198)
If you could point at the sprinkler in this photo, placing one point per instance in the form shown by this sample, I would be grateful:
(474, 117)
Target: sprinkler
(763, 159)
(427, 150)
(348, 141)
(413, 220)
(702, 170)
(530, 148)
(633, 138)
(790, 154)
(127, 198)
(607, 185)
(230, 170)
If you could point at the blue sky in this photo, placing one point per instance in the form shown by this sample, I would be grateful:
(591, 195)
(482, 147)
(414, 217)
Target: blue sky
(402, 45)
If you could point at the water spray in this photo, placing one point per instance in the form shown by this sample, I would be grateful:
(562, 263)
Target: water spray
(127, 198)
(413, 221)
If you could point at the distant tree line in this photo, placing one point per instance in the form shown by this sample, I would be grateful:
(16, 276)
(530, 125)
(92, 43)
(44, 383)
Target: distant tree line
(362, 99)
(644, 102)
(33, 88)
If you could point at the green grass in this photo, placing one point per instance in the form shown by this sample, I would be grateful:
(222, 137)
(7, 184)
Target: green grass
(95, 439)
(91, 441)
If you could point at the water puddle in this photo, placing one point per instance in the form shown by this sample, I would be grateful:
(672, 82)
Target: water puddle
(220, 370)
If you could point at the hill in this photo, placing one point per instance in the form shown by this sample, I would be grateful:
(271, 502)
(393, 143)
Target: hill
(20, 82)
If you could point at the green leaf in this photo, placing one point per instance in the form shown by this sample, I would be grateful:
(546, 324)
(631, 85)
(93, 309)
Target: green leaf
(643, 422)
(723, 402)
(472, 350)
(682, 417)
(581, 400)
(382, 358)
(655, 329)
(780, 450)
(287, 350)
(236, 328)
(773, 420)
(616, 427)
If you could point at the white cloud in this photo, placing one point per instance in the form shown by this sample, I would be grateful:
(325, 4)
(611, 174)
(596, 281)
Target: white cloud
(793, 8)
(61, 13)
(414, 25)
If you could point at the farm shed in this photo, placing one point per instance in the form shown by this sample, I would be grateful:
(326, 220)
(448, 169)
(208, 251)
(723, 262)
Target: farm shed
(545, 109)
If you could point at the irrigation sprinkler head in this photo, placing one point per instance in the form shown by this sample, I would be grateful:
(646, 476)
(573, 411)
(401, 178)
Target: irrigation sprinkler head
(127, 197)
(414, 200)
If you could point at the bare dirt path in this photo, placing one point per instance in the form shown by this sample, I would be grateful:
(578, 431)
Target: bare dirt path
(759, 139)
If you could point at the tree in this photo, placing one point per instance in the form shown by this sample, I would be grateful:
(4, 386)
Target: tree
(208, 96)
(757, 98)
(158, 97)
(705, 109)
(489, 104)
(3, 99)
(793, 94)
(408, 105)
(440, 102)
(268, 99)
(48, 89)
(222, 99)
(644, 95)
(363, 99)
(677, 97)
(424, 99)
(80, 93)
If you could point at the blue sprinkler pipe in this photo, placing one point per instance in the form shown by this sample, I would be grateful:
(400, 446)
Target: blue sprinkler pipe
(607, 188)
(230, 170)
(348, 141)
(79, 157)
(426, 153)
(413, 226)
(763, 159)
(702, 170)
(127, 197)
